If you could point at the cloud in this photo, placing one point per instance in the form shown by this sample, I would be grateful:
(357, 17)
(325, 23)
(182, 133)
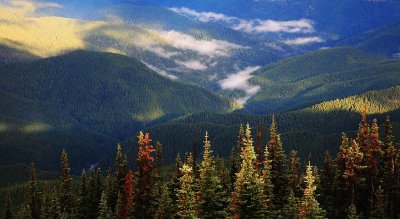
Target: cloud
(303, 41)
(255, 25)
(209, 48)
(240, 81)
(160, 51)
(192, 64)
(203, 16)
(161, 72)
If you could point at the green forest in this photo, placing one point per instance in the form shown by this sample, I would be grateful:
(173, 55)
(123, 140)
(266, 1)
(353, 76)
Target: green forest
(260, 179)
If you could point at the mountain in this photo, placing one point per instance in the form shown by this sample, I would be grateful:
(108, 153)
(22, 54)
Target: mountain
(318, 76)
(86, 102)
(383, 41)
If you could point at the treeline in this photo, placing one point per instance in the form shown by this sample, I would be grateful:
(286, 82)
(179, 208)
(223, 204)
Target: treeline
(362, 181)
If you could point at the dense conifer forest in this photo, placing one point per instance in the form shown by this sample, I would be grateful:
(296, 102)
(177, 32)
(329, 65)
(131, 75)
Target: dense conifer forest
(259, 180)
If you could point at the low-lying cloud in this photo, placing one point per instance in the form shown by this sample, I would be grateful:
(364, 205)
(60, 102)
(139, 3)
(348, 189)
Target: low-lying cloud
(303, 41)
(209, 48)
(192, 64)
(240, 81)
(161, 72)
(255, 25)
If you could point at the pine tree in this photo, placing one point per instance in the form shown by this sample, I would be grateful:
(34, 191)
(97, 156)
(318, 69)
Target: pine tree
(175, 183)
(34, 200)
(55, 207)
(186, 195)
(309, 207)
(232, 168)
(110, 189)
(92, 195)
(105, 210)
(8, 212)
(120, 171)
(158, 160)
(46, 198)
(279, 176)
(125, 204)
(248, 198)
(145, 181)
(66, 198)
(211, 198)
(240, 145)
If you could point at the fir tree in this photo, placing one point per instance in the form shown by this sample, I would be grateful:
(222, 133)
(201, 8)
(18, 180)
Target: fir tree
(259, 148)
(291, 208)
(83, 197)
(232, 168)
(266, 176)
(248, 198)
(145, 181)
(327, 187)
(8, 212)
(279, 176)
(211, 198)
(164, 204)
(186, 195)
(294, 174)
(240, 145)
(352, 212)
(379, 204)
(309, 207)
(104, 210)
(92, 195)
(34, 200)
(66, 198)
(55, 207)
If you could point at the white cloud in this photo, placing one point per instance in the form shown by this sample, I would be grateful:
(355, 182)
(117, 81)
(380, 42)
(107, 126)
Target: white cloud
(303, 41)
(255, 25)
(193, 64)
(161, 72)
(209, 48)
(203, 16)
(160, 51)
(239, 81)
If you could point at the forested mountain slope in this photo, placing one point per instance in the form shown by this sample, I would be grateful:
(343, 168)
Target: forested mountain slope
(87, 101)
(318, 76)
(311, 130)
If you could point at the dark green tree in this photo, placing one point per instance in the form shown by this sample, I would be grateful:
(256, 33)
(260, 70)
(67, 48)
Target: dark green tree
(66, 196)
(33, 193)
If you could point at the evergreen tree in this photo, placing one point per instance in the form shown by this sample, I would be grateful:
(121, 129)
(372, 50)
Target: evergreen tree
(291, 208)
(8, 212)
(83, 197)
(110, 190)
(266, 176)
(175, 183)
(92, 195)
(55, 207)
(309, 207)
(158, 160)
(164, 204)
(259, 148)
(327, 187)
(212, 199)
(125, 204)
(34, 199)
(232, 168)
(279, 176)
(248, 198)
(379, 204)
(105, 210)
(186, 195)
(389, 171)
(120, 171)
(352, 212)
(240, 145)
(145, 181)
(294, 174)
(66, 198)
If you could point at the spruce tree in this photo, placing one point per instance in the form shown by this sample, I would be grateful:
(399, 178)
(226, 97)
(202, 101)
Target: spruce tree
(309, 207)
(239, 145)
(66, 197)
(327, 187)
(352, 212)
(83, 197)
(164, 204)
(266, 176)
(291, 208)
(8, 212)
(379, 204)
(259, 147)
(279, 177)
(248, 199)
(294, 173)
(34, 199)
(104, 210)
(186, 196)
(212, 199)
(145, 177)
